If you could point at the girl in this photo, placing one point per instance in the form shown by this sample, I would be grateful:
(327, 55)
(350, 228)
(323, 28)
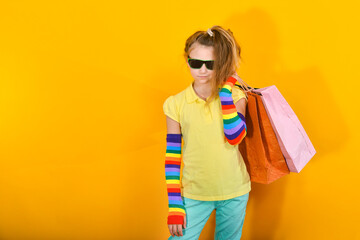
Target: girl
(210, 116)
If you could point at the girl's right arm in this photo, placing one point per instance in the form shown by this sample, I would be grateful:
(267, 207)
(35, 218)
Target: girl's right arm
(176, 215)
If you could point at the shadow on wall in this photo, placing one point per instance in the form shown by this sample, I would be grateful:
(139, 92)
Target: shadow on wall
(257, 35)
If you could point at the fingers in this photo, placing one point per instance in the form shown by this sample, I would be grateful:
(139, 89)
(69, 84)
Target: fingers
(172, 229)
(171, 226)
(184, 222)
(179, 230)
(175, 229)
(235, 75)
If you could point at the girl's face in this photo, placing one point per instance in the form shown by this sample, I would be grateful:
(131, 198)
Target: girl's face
(202, 52)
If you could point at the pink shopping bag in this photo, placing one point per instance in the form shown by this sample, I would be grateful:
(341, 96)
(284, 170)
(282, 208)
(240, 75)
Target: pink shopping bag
(293, 140)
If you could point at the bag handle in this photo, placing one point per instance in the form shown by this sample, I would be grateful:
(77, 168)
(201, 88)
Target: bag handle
(246, 87)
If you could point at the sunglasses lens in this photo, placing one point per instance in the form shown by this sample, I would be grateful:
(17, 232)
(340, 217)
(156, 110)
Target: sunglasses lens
(195, 63)
(210, 65)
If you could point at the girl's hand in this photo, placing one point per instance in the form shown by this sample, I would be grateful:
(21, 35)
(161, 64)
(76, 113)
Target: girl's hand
(176, 229)
(236, 76)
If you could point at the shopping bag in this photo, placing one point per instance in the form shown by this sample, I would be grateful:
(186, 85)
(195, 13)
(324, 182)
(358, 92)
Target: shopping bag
(293, 140)
(260, 148)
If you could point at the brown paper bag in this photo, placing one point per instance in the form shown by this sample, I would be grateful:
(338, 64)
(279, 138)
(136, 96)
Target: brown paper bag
(260, 148)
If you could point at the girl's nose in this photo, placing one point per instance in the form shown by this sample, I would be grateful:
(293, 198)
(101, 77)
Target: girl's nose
(203, 68)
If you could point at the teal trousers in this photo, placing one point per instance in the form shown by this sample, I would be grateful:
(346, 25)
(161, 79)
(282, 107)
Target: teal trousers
(230, 215)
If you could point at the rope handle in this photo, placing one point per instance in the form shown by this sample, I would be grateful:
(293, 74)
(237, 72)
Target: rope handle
(242, 84)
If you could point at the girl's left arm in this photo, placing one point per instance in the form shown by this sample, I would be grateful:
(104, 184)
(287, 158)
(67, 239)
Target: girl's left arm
(235, 128)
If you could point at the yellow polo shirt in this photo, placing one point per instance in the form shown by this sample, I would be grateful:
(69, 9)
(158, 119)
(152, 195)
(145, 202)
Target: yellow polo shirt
(213, 169)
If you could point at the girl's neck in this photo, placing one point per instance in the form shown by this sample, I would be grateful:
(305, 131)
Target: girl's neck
(202, 90)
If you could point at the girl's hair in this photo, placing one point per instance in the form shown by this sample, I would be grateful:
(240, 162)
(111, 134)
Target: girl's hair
(226, 54)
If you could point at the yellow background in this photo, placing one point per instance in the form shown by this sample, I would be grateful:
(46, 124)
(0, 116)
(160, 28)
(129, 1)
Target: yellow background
(82, 132)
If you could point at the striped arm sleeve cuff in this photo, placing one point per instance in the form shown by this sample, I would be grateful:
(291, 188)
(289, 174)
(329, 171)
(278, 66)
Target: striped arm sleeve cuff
(234, 122)
(172, 171)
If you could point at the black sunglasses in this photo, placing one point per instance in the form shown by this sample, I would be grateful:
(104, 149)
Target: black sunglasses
(197, 63)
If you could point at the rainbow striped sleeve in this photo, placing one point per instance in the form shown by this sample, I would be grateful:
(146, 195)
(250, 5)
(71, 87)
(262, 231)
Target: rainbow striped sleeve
(172, 171)
(234, 122)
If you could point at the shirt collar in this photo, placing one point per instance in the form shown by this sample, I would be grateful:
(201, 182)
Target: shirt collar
(190, 94)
